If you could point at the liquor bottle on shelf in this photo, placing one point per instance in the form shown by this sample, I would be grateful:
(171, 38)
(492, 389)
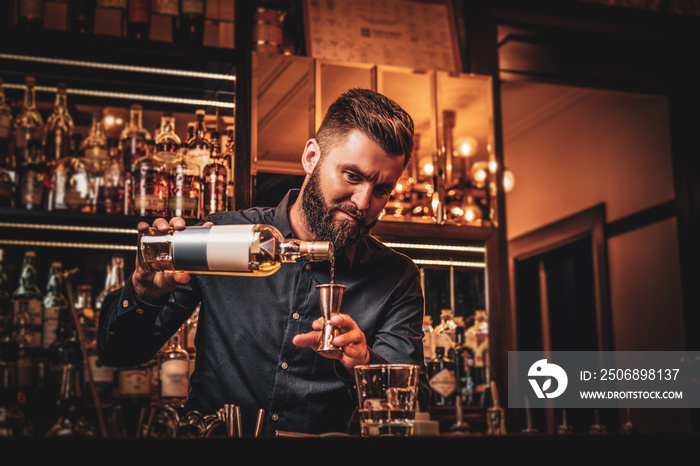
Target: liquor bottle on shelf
(133, 394)
(102, 375)
(198, 146)
(174, 375)
(61, 348)
(184, 185)
(477, 337)
(5, 128)
(167, 140)
(190, 334)
(85, 311)
(444, 333)
(14, 422)
(27, 352)
(138, 19)
(71, 422)
(134, 139)
(55, 299)
(249, 250)
(148, 185)
(30, 14)
(214, 179)
(5, 298)
(58, 129)
(229, 158)
(464, 367)
(110, 192)
(32, 177)
(94, 146)
(441, 377)
(428, 339)
(191, 29)
(82, 16)
(73, 182)
(27, 299)
(114, 280)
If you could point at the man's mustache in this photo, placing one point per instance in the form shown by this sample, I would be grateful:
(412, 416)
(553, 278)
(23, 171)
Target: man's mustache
(353, 211)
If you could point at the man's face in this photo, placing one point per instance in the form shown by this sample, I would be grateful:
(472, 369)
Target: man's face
(348, 189)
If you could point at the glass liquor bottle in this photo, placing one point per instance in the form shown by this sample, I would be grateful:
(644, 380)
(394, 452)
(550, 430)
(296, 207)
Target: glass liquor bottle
(94, 146)
(441, 377)
(110, 192)
(138, 19)
(27, 351)
(174, 372)
(114, 280)
(149, 185)
(55, 300)
(199, 146)
(73, 182)
(58, 129)
(87, 318)
(214, 179)
(228, 160)
(134, 138)
(32, 177)
(184, 185)
(428, 339)
(5, 298)
(71, 422)
(477, 337)
(28, 299)
(464, 368)
(191, 30)
(14, 422)
(82, 16)
(444, 333)
(167, 140)
(191, 333)
(248, 250)
(5, 129)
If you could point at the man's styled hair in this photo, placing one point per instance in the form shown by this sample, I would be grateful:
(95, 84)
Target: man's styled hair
(375, 115)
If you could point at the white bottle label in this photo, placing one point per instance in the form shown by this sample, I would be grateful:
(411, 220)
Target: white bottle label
(134, 382)
(100, 372)
(221, 248)
(444, 382)
(174, 378)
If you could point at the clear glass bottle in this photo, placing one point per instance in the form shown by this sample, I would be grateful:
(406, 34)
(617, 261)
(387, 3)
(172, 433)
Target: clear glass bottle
(110, 192)
(58, 129)
(33, 178)
(444, 333)
(191, 333)
(25, 342)
(250, 250)
(73, 182)
(229, 156)
(114, 279)
(167, 140)
(464, 368)
(94, 146)
(134, 138)
(441, 377)
(184, 185)
(214, 179)
(477, 337)
(149, 185)
(55, 299)
(174, 372)
(428, 339)
(28, 298)
(87, 318)
(199, 146)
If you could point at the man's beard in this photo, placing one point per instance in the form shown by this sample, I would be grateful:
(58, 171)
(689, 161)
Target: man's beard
(319, 218)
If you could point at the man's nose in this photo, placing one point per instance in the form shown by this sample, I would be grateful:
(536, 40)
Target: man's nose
(362, 195)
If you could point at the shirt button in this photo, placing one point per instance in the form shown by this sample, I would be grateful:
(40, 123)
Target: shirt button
(275, 416)
(284, 365)
(125, 303)
(295, 316)
(139, 311)
(307, 267)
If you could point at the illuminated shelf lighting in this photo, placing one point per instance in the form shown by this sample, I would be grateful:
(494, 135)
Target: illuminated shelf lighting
(437, 247)
(114, 67)
(41, 226)
(479, 265)
(58, 244)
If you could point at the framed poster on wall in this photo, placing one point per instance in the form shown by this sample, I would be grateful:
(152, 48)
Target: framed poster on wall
(407, 33)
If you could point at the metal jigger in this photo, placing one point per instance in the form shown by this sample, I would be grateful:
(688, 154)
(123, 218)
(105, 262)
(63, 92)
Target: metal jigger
(330, 298)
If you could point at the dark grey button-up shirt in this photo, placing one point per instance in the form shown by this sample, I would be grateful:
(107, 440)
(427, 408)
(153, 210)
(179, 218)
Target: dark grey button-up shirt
(245, 354)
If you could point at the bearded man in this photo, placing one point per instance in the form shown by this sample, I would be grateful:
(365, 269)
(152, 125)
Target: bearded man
(256, 335)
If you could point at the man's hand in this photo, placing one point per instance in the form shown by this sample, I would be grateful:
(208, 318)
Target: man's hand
(351, 339)
(153, 286)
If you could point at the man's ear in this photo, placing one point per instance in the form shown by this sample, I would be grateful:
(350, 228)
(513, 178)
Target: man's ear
(311, 156)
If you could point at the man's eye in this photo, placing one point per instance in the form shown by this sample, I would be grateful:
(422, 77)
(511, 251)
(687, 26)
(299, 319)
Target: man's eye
(352, 177)
(382, 191)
